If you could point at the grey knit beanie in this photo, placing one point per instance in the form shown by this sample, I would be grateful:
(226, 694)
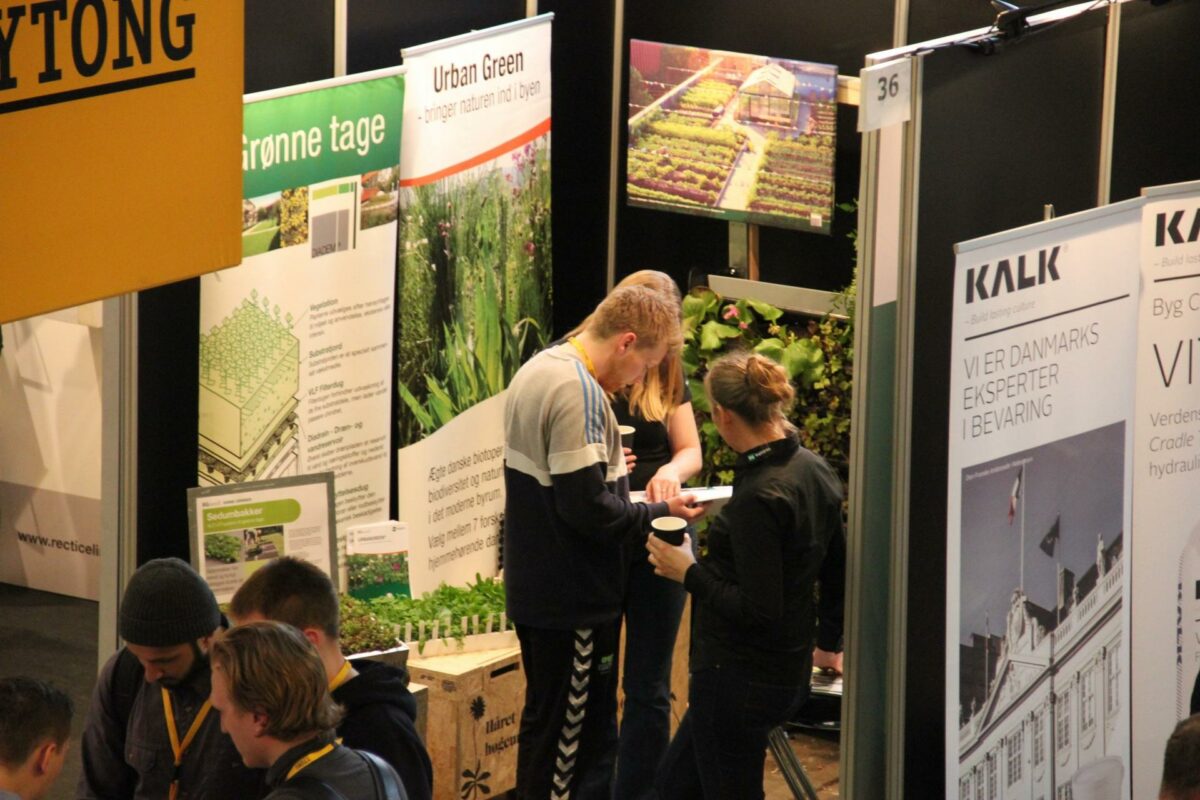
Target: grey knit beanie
(167, 603)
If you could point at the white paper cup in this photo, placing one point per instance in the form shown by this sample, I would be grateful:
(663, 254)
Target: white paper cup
(627, 432)
(669, 529)
(1099, 780)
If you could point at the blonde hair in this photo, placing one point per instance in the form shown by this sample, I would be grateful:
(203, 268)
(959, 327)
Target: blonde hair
(272, 669)
(661, 391)
(752, 386)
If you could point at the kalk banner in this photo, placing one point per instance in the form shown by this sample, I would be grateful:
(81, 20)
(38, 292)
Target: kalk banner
(1038, 507)
(1166, 508)
(296, 344)
(473, 283)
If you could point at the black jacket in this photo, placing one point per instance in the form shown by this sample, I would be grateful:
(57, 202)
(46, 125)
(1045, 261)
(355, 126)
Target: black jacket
(341, 769)
(780, 533)
(127, 750)
(380, 715)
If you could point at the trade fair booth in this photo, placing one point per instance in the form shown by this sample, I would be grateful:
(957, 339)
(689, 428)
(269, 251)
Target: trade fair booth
(967, 234)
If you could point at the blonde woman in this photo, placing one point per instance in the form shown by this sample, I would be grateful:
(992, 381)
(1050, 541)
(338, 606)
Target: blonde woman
(666, 448)
(665, 454)
(754, 617)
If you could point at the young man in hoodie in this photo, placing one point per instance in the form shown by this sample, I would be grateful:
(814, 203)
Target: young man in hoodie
(380, 710)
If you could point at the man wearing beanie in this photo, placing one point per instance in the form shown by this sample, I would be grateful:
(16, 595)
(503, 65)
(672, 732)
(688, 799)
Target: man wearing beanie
(151, 732)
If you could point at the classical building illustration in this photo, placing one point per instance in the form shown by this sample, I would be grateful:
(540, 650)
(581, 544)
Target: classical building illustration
(1041, 700)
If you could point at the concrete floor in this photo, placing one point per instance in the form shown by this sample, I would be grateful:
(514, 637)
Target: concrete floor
(818, 754)
(52, 637)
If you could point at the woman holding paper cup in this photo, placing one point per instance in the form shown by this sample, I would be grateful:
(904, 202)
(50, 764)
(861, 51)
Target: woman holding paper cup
(754, 614)
(665, 453)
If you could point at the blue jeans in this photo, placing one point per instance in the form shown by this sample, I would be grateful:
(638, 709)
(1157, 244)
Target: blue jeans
(718, 751)
(653, 607)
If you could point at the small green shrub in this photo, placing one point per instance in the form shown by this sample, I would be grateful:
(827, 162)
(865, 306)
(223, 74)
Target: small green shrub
(361, 630)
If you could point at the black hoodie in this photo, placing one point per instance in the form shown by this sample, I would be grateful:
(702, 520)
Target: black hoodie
(380, 711)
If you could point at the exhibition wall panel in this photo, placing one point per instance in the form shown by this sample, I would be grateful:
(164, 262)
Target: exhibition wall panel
(932, 19)
(168, 361)
(676, 243)
(376, 30)
(999, 137)
(581, 62)
(287, 42)
(1154, 129)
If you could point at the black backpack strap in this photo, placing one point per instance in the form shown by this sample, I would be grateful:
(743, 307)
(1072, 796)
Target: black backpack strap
(314, 788)
(127, 678)
(387, 783)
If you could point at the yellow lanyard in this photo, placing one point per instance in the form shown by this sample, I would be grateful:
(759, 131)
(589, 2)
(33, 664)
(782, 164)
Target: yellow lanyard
(587, 360)
(176, 747)
(342, 676)
(308, 759)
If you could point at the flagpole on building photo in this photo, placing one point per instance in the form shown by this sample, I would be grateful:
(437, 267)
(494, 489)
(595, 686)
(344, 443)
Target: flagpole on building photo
(1015, 497)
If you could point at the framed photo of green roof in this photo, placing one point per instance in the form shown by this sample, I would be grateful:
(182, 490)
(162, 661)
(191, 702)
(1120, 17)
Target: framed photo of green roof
(731, 135)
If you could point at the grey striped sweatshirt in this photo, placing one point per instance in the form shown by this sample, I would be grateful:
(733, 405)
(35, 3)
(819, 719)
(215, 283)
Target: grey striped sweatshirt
(568, 521)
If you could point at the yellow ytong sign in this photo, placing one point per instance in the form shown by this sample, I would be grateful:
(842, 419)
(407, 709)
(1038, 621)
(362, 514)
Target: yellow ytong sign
(119, 130)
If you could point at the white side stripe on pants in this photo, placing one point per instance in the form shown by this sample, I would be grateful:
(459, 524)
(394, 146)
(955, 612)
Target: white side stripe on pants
(568, 739)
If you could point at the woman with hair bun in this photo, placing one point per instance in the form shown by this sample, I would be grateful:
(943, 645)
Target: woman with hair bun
(754, 607)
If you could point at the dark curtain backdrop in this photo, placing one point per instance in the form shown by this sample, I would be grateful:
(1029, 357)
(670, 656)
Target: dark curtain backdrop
(1158, 115)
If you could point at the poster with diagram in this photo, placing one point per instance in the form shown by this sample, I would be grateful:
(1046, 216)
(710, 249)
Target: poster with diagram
(296, 343)
(473, 282)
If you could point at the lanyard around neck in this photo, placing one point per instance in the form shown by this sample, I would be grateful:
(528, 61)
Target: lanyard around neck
(587, 360)
(178, 748)
(308, 759)
(342, 676)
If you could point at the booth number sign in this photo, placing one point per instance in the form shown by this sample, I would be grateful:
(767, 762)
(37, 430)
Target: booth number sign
(885, 92)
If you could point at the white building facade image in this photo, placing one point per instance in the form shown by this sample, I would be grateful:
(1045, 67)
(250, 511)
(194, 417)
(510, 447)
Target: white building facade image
(1048, 699)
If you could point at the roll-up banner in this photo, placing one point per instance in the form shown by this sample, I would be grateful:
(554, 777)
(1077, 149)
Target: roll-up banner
(1039, 487)
(473, 283)
(119, 123)
(50, 429)
(296, 343)
(1166, 500)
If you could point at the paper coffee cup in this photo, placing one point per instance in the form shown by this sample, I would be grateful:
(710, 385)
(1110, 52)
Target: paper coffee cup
(669, 529)
(627, 432)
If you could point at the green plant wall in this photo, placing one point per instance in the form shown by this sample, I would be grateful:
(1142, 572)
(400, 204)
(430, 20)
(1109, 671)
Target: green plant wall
(817, 354)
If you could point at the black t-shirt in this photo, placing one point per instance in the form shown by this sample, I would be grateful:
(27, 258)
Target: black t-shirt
(651, 444)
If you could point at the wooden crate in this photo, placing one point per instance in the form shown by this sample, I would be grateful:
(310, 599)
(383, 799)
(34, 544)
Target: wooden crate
(475, 702)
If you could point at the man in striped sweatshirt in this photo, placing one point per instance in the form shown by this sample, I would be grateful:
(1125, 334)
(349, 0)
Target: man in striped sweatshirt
(568, 522)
